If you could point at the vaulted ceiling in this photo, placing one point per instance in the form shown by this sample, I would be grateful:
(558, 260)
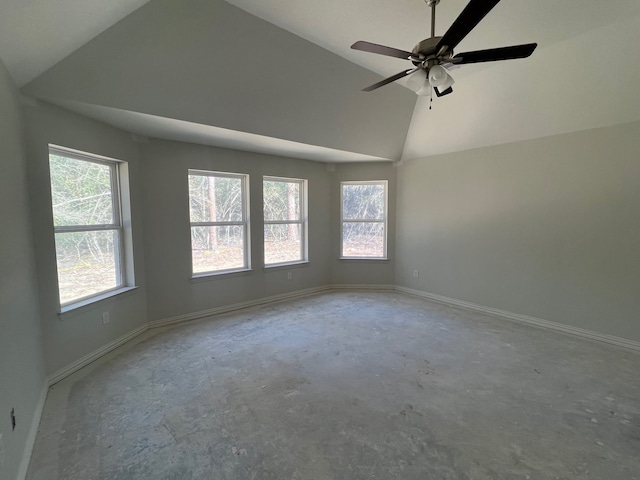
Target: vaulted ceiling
(278, 75)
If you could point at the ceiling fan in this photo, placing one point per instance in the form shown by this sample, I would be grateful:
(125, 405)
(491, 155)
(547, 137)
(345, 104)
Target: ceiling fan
(432, 55)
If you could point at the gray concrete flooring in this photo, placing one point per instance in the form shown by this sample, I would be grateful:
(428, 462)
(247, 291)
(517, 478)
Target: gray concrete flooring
(347, 386)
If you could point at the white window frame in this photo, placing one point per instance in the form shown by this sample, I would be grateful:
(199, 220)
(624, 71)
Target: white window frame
(244, 187)
(303, 221)
(117, 225)
(384, 221)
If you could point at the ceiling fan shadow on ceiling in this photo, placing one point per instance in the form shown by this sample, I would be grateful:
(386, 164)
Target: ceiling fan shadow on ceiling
(431, 57)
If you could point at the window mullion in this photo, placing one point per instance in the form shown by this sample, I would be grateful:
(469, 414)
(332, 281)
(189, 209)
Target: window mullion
(86, 228)
(217, 224)
(357, 220)
(283, 222)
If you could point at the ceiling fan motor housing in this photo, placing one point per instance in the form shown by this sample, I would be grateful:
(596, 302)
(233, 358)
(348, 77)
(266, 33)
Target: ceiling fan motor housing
(427, 48)
(438, 51)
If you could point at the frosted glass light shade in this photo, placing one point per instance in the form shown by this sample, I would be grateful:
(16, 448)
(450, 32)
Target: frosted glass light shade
(440, 78)
(416, 80)
(437, 76)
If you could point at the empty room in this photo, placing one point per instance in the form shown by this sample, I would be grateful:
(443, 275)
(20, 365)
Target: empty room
(287, 239)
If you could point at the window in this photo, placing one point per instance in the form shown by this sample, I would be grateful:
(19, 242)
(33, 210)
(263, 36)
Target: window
(87, 218)
(285, 220)
(218, 207)
(364, 219)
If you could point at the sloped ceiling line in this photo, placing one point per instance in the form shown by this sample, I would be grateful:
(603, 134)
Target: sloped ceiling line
(210, 63)
(223, 65)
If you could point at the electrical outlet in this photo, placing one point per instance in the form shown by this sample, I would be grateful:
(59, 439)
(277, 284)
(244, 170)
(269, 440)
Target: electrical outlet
(416, 274)
(105, 318)
(289, 275)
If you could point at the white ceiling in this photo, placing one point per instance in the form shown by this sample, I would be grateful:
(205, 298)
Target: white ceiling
(336, 24)
(583, 75)
(37, 34)
(144, 125)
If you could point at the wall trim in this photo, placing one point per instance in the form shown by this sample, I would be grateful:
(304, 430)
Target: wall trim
(91, 357)
(189, 317)
(526, 320)
(96, 354)
(364, 286)
(73, 367)
(33, 432)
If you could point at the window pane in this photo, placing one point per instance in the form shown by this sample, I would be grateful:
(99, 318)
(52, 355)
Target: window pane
(87, 263)
(363, 202)
(215, 199)
(282, 243)
(281, 200)
(363, 239)
(80, 192)
(217, 248)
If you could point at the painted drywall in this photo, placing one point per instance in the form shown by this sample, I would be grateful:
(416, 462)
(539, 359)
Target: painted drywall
(30, 32)
(362, 272)
(22, 374)
(72, 335)
(211, 63)
(548, 228)
(559, 89)
(171, 290)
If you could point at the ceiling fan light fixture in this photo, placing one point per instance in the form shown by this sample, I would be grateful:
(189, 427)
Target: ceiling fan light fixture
(438, 76)
(416, 80)
(428, 55)
(447, 84)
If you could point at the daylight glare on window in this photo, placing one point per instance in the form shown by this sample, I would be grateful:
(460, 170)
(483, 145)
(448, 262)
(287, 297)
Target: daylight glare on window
(218, 229)
(364, 219)
(284, 232)
(87, 233)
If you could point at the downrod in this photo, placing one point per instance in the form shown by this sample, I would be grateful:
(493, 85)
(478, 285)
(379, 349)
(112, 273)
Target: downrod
(432, 4)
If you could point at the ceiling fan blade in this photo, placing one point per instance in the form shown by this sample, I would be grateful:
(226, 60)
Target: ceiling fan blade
(495, 54)
(444, 92)
(386, 81)
(475, 11)
(381, 50)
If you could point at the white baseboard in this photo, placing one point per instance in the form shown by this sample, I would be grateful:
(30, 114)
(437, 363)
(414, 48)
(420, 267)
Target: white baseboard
(33, 432)
(93, 356)
(524, 319)
(189, 317)
(364, 286)
(96, 354)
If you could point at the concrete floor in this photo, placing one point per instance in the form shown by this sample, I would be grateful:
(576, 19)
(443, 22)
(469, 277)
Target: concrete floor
(347, 386)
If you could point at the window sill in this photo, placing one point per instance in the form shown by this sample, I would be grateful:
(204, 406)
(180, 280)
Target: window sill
(278, 266)
(203, 277)
(87, 303)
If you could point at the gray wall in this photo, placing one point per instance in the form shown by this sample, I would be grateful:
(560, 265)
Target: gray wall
(548, 228)
(72, 335)
(208, 62)
(362, 272)
(22, 373)
(171, 291)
